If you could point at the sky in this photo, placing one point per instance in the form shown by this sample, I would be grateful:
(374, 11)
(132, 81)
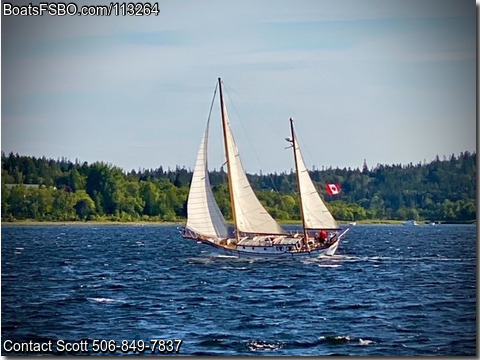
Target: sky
(389, 82)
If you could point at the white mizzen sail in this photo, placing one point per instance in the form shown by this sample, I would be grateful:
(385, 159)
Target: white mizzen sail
(251, 216)
(315, 213)
(204, 216)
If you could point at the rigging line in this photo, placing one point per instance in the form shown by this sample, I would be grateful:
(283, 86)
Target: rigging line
(211, 109)
(307, 154)
(237, 113)
(213, 102)
(305, 150)
(269, 175)
(255, 114)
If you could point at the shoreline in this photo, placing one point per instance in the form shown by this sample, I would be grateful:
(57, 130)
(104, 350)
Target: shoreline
(182, 223)
(89, 223)
(168, 223)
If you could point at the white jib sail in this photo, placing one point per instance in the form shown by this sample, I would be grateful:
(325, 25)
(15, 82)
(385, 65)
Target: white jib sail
(315, 213)
(250, 213)
(203, 215)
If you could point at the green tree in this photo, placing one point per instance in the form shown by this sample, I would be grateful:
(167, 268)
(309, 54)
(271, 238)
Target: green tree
(150, 195)
(84, 205)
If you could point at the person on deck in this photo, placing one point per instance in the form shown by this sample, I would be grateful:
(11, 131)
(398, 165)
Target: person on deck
(322, 236)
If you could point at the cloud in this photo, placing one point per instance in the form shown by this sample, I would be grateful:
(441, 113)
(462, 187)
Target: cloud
(362, 65)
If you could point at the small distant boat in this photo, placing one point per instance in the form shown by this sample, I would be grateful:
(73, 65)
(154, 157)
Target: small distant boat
(255, 233)
(410, 223)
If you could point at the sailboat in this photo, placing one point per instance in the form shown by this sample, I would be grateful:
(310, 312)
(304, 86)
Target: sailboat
(255, 233)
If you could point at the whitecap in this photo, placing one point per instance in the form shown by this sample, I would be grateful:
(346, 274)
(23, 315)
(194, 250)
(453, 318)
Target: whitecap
(104, 300)
(365, 342)
(263, 345)
(329, 265)
(233, 268)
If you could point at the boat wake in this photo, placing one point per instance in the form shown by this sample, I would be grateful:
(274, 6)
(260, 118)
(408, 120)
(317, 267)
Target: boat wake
(222, 256)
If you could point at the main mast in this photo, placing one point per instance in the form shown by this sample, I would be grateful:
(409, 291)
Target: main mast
(227, 155)
(294, 145)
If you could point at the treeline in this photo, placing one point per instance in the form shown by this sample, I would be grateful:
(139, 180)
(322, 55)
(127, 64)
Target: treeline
(45, 189)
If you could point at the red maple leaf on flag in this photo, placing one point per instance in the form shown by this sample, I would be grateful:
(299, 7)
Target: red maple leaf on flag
(333, 189)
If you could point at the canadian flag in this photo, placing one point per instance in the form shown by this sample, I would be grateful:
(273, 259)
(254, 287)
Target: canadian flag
(333, 189)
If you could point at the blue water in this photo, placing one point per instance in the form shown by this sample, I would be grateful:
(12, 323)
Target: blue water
(389, 290)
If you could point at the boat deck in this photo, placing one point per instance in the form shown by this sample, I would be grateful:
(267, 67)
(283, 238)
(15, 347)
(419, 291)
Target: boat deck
(268, 244)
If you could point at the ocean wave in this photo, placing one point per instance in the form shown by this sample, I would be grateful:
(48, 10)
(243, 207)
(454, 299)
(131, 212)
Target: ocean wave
(372, 301)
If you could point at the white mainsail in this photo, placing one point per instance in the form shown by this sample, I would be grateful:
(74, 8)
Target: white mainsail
(204, 216)
(315, 213)
(251, 216)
